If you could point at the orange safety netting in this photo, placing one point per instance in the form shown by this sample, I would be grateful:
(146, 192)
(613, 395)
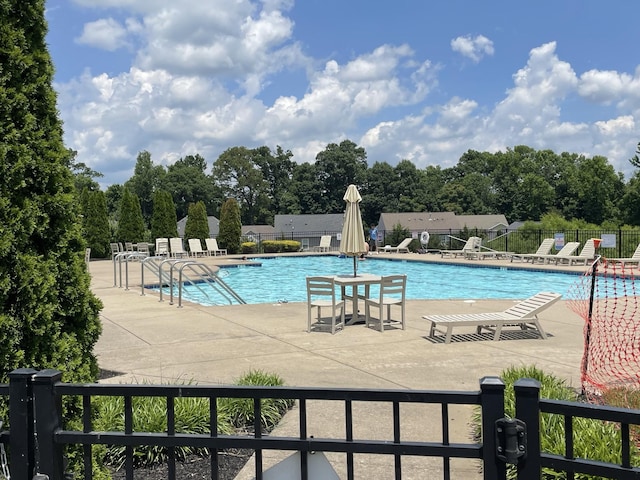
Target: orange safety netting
(609, 304)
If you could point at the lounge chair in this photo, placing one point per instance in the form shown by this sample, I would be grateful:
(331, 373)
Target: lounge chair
(162, 247)
(472, 245)
(403, 246)
(195, 248)
(565, 251)
(488, 253)
(212, 247)
(587, 254)
(115, 249)
(544, 249)
(523, 315)
(635, 258)
(325, 244)
(177, 248)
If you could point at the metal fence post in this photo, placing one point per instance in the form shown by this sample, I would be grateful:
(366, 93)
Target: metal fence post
(21, 424)
(527, 393)
(48, 414)
(492, 404)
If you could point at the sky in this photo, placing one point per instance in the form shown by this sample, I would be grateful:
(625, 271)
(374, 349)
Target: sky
(418, 80)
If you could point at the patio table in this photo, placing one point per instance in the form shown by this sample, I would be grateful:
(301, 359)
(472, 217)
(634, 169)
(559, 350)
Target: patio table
(365, 279)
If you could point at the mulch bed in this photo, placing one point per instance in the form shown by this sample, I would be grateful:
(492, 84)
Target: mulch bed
(195, 467)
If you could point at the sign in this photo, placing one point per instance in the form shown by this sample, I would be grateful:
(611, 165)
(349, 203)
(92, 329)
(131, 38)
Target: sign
(559, 240)
(608, 240)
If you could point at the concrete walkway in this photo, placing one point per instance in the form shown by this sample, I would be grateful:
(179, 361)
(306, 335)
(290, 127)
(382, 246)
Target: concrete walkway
(147, 340)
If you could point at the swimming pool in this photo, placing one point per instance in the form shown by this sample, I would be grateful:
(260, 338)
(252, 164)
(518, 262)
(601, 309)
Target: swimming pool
(282, 279)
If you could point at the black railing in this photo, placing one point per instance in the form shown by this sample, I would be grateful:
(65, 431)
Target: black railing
(517, 241)
(38, 438)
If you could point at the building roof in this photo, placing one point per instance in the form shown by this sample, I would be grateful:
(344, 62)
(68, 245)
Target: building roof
(483, 222)
(419, 221)
(214, 226)
(329, 222)
(433, 221)
(258, 229)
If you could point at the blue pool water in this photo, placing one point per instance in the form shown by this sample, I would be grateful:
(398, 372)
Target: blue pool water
(282, 279)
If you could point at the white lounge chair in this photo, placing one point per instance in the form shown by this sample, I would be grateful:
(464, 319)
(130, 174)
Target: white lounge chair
(392, 292)
(472, 245)
(523, 315)
(321, 293)
(587, 254)
(212, 247)
(482, 254)
(177, 248)
(544, 249)
(162, 247)
(635, 258)
(325, 244)
(565, 251)
(403, 246)
(195, 248)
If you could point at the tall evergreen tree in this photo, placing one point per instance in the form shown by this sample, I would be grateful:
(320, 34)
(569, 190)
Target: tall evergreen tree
(164, 223)
(230, 226)
(96, 225)
(130, 224)
(197, 223)
(48, 315)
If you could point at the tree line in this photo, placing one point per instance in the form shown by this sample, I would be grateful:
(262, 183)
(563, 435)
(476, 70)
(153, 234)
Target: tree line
(522, 183)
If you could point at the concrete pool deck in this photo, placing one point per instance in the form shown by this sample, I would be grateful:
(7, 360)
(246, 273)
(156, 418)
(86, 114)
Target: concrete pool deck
(147, 340)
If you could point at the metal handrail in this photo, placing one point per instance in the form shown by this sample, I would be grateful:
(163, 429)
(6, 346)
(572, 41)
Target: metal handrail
(117, 259)
(207, 275)
(211, 278)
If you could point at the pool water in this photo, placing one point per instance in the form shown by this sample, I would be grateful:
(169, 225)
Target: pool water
(282, 279)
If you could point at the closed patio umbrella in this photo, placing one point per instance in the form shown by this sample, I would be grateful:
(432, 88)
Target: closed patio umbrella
(352, 242)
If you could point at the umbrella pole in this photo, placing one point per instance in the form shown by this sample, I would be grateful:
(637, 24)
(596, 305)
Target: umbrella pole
(354, 266)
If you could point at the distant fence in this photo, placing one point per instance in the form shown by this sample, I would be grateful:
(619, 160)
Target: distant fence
(38, 435)
(624, 242)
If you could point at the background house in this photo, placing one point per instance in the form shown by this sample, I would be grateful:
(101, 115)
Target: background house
(307, 229)
(445, 224)
(214, 226)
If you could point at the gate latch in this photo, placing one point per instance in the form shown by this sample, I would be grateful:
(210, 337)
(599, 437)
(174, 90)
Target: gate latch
(511, 440)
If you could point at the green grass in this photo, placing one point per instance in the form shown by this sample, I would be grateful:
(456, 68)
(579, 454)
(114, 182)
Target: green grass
(593, 439)
(191, 416)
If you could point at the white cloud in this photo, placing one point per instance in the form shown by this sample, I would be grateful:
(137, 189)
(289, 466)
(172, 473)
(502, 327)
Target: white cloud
(106, 34)
(474, 48)
(197, 85)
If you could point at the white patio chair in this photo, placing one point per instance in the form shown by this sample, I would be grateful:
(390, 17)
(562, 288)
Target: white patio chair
(392, 292)
(195, 248)
(212, 247)
(177, 248)
(321, 293)
(162, 247)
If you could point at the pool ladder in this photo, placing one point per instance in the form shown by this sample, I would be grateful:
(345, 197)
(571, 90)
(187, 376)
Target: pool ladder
(203, 277)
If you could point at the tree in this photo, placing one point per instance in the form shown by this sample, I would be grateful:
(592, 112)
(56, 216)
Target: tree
(164, 223)
(230, 226)
(338, 166)
(187, 182)
(277, 171)
(96, 224)
(48, 315)
(635, 160)
(83, 175)
(113, 196)
(146, 179)
(236, 171)
(131, 224)
(197, 224)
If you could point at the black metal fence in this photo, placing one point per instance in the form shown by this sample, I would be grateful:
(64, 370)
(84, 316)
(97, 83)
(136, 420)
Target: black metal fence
(38, 433)
(624, 242)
